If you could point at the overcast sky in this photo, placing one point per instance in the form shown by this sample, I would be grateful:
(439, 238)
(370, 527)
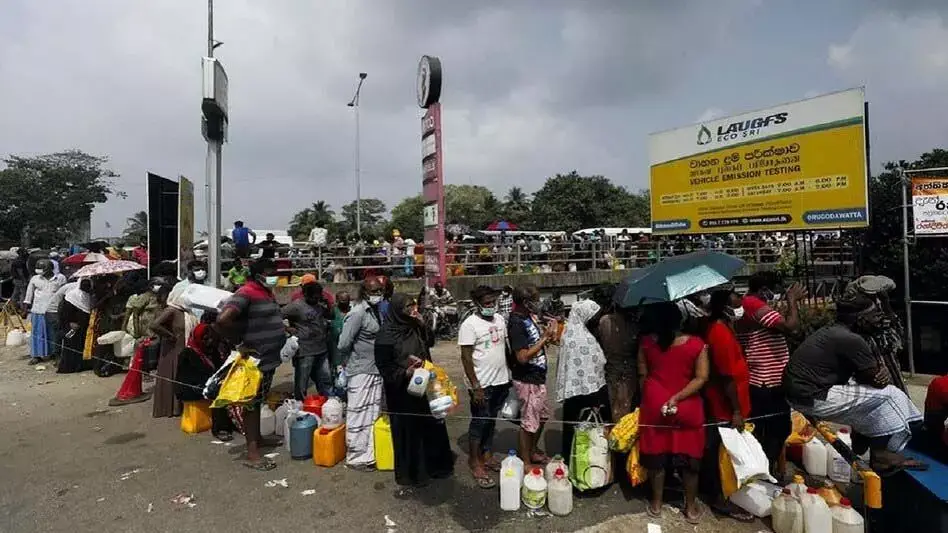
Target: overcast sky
(532, 87)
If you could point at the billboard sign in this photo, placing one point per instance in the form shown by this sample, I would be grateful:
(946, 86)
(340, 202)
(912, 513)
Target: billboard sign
(797, 166)
(432, 165)
(930, 205)
(162, 200)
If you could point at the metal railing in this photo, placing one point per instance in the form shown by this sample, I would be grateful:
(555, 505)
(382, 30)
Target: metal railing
(352, 263)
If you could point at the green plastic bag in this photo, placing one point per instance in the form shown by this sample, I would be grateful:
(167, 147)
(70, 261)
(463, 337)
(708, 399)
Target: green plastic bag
(590, 465)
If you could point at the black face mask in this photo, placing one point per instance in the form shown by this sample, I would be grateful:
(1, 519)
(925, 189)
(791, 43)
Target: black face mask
(344, 307)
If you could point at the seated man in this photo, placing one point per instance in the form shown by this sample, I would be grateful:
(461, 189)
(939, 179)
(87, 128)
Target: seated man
(817, 382)
(936, 416)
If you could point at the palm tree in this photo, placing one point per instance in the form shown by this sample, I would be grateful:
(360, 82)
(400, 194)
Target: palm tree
(516, 206)
(319, 215)
(136, 227)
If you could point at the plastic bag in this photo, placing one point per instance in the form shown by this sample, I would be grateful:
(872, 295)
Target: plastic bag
(442, 394)
(746, 458)
(111, 337)
(511, 408)
(590, 464)
(637, 473)
(802, 432)
(626, 433)
(126, 347)
(213, 385)
(240, 383)
(290, 347)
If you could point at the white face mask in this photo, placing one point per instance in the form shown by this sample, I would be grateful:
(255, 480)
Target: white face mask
(200, 275)
(738, 312)
(38, 271)
(705, 299)
(271, 281)
(375, 299)
(156, 289)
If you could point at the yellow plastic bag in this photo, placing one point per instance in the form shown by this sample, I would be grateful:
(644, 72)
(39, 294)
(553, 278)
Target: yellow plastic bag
(625, 434)
(241, 384)
(637, 473)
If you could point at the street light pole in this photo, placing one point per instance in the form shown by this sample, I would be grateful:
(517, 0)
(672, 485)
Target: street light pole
(354, 103)
(214, 126)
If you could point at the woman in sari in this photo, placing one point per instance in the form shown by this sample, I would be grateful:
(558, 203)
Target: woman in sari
(108, 314)
(74, 317)
(422, 448)
(196, 364)
(169, 327)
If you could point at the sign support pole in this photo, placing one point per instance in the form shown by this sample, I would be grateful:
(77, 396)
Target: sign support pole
(906, 277)
(214, 128)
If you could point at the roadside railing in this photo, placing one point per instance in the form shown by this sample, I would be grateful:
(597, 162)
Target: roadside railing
(353, 263)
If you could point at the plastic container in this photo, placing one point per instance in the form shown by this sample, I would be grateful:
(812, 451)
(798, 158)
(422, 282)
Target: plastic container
(560, 493)
(196, 417)
(418, 383)
(16, 337)
(384, 446)
(332, 414)
(816, 514)
(511, 408)
(846, 519)
(280, 415)
(786, 514)
(555, 463)
(755, 498)
(837, 468)
(291, 417)
(267, 421)
(329, 445)
(533, 492)
(814, 458)
(797, 488)
(511, 475)
(301, 436)
(830, 493)
(314, 404)
(204, 297)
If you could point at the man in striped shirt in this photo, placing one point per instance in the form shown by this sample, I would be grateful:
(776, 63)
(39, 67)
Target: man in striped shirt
(762, 333)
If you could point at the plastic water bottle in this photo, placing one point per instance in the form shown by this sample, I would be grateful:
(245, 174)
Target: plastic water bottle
(560, 498)
(511, 475)
(533, 492)
(786, 514)
(846, 519)
(816, 514)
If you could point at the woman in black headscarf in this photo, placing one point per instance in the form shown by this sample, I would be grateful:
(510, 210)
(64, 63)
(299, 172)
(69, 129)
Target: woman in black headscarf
(422, 449)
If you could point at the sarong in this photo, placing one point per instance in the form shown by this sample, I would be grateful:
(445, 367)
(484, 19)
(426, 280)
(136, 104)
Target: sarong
(364, 395)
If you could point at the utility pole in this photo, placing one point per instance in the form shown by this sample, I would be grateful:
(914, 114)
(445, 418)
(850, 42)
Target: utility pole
(354, 103)
(214, 129)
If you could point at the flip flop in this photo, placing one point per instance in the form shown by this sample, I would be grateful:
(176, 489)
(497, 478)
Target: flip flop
(485, 482)
(493, 465)
(263, 465)
(224, 436)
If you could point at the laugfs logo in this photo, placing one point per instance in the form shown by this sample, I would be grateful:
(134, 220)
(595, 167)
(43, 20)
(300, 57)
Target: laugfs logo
(427, 124)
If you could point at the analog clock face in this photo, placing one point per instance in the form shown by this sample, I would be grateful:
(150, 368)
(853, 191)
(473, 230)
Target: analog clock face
(428, 81)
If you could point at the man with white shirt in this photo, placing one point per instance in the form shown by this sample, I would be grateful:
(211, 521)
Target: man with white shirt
(483, 341)
(53, 326)
(39, 292)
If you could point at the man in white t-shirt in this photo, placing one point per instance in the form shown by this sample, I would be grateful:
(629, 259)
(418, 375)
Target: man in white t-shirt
(483, 342)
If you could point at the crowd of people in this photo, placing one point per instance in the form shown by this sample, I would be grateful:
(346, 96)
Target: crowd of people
(716, 358)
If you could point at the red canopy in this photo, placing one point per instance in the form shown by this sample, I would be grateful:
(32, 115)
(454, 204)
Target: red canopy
(501, 225)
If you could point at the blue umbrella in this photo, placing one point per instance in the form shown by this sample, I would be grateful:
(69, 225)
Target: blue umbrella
(677, 277)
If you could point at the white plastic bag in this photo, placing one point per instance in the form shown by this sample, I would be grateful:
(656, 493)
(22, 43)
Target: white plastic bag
(111, 337)
(511, 408)
(125, 348)
(756, 498)
(290, 347)
(747, 456)
(590, 465)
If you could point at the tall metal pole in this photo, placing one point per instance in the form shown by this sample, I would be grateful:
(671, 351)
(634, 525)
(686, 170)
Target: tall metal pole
(358, 171)
(354, 103)
(906, 280)
(212, 188)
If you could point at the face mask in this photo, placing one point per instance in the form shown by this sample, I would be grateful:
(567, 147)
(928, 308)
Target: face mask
(767, 295)
(38, 271)
(200, 275)
(705, 299)
(738, 312)
(375, 299)
(344, 307)
(156, 289)
(488, 312)
(271, 281)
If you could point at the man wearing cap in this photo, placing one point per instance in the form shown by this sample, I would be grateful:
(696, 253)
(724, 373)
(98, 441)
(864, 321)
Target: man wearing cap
(306, 280)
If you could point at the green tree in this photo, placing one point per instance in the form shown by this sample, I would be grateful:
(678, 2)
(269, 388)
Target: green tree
(45, 200)
(881, 246)
(408, 218)
(474, 206)
(516, 207)
(136, 228)
(571, 202)
(373, 218)
(319, 215)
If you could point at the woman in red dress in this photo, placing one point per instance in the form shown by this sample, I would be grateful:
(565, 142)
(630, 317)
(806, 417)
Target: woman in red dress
(673, 367)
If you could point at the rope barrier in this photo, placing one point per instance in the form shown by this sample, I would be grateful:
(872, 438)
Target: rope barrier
(449, 416)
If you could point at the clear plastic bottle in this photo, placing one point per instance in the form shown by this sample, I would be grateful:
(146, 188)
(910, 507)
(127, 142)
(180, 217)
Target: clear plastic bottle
(556, 462)
(846, 519)
(560, 493)
(786, 513)
(816, 514)
(533, 492)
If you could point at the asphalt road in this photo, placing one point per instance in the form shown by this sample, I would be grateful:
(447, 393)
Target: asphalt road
(68, 463)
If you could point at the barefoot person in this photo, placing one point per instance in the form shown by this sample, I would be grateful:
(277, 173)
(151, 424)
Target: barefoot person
(251, 318)
(528, 339)
(817, 383)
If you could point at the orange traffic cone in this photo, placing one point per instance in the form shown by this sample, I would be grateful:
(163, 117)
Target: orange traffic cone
(131, 389)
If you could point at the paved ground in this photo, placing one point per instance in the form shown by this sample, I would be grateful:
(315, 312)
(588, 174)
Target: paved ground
(70, 463)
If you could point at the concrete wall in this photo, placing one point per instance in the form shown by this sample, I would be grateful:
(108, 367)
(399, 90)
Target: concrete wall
(461, 286)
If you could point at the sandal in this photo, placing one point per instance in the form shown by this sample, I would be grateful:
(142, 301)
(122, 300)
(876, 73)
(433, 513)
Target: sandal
(484, 481)
(732, 511)
(224, 436)
(492, 464)
(539, 458)
(263, 465)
